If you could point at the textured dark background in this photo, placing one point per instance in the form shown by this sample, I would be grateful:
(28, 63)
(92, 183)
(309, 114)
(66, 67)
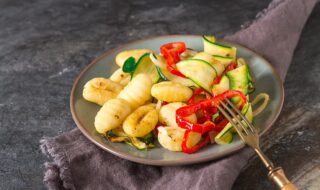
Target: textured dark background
(45, 43)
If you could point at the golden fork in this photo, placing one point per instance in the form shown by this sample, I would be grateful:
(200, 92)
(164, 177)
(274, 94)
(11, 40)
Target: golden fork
(250, 136)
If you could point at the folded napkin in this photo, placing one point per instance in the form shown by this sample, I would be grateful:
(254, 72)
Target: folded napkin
(79, 164)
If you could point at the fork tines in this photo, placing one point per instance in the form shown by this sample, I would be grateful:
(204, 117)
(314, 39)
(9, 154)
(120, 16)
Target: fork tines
(235, 117)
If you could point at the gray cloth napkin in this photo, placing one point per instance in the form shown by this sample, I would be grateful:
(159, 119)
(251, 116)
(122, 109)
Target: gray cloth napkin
(79, 164)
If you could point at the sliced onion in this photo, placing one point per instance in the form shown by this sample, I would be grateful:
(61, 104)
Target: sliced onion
(154, 60)
(265, 98)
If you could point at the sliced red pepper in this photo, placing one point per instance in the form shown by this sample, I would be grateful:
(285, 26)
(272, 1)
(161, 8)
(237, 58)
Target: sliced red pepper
(174, 71)
(163, 103)
(195, 93)
(221, 124)
(155, 130)
(213, 110)
(217, 80)
(207, 114)
(230, 67)
(202, 119)
(195, 148)
(219, 118)
(208, 125)
(188, 110)
(171, 52)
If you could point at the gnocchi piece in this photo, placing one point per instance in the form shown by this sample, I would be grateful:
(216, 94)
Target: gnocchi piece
(171, 138)
(169, 91)
(167, 114)
(141, 122)
(137, 92)
(210, 59)
(100, 90)
(120, 77)
(111, 115)
(124, 55)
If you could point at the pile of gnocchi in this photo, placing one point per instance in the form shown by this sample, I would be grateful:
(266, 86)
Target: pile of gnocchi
(139, 101)
(130, 108)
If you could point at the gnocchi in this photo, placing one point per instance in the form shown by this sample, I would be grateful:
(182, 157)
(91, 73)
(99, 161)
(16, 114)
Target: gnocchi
(141, 122)
(120, 77)
(136, 53)
(167, 114)
(111, 115)
(100, 90)
(158, 89)
(137, 92)
(171, 138)
(169, 91)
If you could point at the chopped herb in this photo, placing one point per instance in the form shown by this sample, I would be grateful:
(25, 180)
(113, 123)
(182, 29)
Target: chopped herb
(129, 65)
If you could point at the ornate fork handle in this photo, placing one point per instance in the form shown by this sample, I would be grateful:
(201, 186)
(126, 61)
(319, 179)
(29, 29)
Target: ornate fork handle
(250, 136)
(276, 174)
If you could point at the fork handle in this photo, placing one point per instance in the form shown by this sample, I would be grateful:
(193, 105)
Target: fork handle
(278, 176)
(289, 186)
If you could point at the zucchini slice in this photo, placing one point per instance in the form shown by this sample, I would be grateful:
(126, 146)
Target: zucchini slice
(218, 66)
(214, 48)
(239, 79)
(200, 72)
(240, 62)
(247, 111)
(146, 66)
(224, 136)
(223, 60)
(205, 57)
(222, 86)
(166, 75)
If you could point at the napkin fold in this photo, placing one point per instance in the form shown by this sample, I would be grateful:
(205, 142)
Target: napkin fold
(276, 31)
(79, 164)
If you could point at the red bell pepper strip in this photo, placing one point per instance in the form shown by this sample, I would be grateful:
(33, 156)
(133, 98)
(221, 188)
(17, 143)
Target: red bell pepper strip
(195, 93)
(221, 124)
(219, 118)
(217, 80)
(171, 52)
(231, 66)
(196, 147)
(207, 126)
(202, 119)
(163, 103)
(155, 130)
(207, 114)
(188, 110)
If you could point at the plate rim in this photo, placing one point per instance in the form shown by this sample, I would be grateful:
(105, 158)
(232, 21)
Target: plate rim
(140, 160)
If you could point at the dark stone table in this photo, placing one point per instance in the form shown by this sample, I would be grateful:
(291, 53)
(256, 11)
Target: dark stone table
(45, 43)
